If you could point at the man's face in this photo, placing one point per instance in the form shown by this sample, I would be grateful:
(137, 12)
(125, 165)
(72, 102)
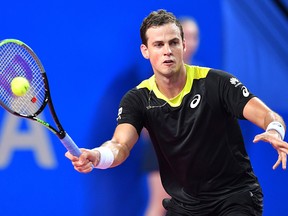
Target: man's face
(164, 49)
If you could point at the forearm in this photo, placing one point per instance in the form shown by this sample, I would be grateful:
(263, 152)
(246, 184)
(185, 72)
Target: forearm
(261, 115)
(274, 122)
(120, 151)
(115, 151)
(271, 117)
(110, 154)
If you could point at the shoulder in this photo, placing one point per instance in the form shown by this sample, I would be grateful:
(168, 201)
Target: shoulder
(221, 74)
(139, 93)
(197, 72)
(147, 84)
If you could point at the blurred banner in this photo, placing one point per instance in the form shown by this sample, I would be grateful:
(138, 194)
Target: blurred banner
(91, 53)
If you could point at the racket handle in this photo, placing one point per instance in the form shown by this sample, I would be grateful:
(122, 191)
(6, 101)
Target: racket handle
(71, 146)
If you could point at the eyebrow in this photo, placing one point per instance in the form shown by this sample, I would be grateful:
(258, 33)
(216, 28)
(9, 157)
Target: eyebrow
(161, 41)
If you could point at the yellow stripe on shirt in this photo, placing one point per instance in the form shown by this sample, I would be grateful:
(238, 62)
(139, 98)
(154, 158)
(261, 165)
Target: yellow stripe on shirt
(193, 73)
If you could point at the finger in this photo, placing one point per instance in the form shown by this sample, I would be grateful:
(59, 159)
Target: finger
(275, 142)
(266, 137)
(91, 156)
(85, 168)
(284, 160)
(284, 149)
(83, 157)
(68, 155)
(71, 157)
(257, 138)
(80, 164)
(277, 163)
(261, 137)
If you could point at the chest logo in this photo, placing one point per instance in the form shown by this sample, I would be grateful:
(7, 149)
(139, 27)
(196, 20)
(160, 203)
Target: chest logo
(195, 101)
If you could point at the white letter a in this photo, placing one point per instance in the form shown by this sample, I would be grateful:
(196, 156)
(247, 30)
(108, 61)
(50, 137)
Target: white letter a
(35, 138)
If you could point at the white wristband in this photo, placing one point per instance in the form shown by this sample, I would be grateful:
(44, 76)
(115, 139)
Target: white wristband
(106, 157)
(278, 127)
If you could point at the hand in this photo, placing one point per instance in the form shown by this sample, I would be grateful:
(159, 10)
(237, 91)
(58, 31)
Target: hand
(281, 146)
(87, 160)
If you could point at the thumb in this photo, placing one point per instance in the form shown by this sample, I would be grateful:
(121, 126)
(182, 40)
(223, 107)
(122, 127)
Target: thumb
(83, 157)
(256, 139)
(87, 155)
(261, 137)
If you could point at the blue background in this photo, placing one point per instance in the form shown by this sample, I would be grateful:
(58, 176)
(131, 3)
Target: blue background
(91, 53)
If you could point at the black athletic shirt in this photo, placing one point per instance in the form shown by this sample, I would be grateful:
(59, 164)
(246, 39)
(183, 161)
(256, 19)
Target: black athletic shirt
(196, 135)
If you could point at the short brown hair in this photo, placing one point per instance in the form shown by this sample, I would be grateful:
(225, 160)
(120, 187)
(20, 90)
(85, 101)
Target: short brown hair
(158, 18)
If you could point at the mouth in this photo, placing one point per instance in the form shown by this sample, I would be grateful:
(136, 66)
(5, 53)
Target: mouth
(168, 62)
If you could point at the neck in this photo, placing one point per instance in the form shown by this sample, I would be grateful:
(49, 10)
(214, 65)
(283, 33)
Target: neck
(170, 87)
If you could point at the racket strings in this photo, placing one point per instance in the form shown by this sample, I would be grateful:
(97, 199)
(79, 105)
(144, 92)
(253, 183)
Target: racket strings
(15, 61)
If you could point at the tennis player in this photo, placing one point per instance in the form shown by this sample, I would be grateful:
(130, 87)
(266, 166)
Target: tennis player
(191, 115)
(156, 192)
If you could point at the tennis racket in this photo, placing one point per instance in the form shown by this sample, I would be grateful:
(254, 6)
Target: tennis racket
(18, 60)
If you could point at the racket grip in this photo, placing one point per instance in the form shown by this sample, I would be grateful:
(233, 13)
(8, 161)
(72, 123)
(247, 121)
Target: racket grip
(71, 146)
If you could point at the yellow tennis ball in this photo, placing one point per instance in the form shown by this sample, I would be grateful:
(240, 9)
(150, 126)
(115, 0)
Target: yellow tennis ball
(20, 86)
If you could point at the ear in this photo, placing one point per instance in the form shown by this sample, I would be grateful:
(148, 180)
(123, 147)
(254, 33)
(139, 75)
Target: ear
(184, 45)
(144, 51)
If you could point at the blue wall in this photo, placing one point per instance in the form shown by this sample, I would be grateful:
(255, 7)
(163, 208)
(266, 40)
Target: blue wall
(255, 49)
(92, 57)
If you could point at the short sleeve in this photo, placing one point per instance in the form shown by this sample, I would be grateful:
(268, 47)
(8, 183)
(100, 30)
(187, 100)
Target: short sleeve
(232, 94)
(131, 110)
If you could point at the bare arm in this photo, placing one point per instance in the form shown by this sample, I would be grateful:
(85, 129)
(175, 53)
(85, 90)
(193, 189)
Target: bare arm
(123, 140)
(261, 115)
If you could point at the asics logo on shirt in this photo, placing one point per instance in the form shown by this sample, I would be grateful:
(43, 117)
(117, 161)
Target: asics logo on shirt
(120, 110)
(236, 83)
(195, 101)
(245, 91)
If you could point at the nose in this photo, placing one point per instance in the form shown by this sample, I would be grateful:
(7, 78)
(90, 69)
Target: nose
(167, 49)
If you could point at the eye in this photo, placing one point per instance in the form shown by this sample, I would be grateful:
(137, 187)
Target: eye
(174, 42)
(158, 44)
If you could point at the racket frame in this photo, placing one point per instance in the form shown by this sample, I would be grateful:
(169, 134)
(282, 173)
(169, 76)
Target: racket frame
(62, 135)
